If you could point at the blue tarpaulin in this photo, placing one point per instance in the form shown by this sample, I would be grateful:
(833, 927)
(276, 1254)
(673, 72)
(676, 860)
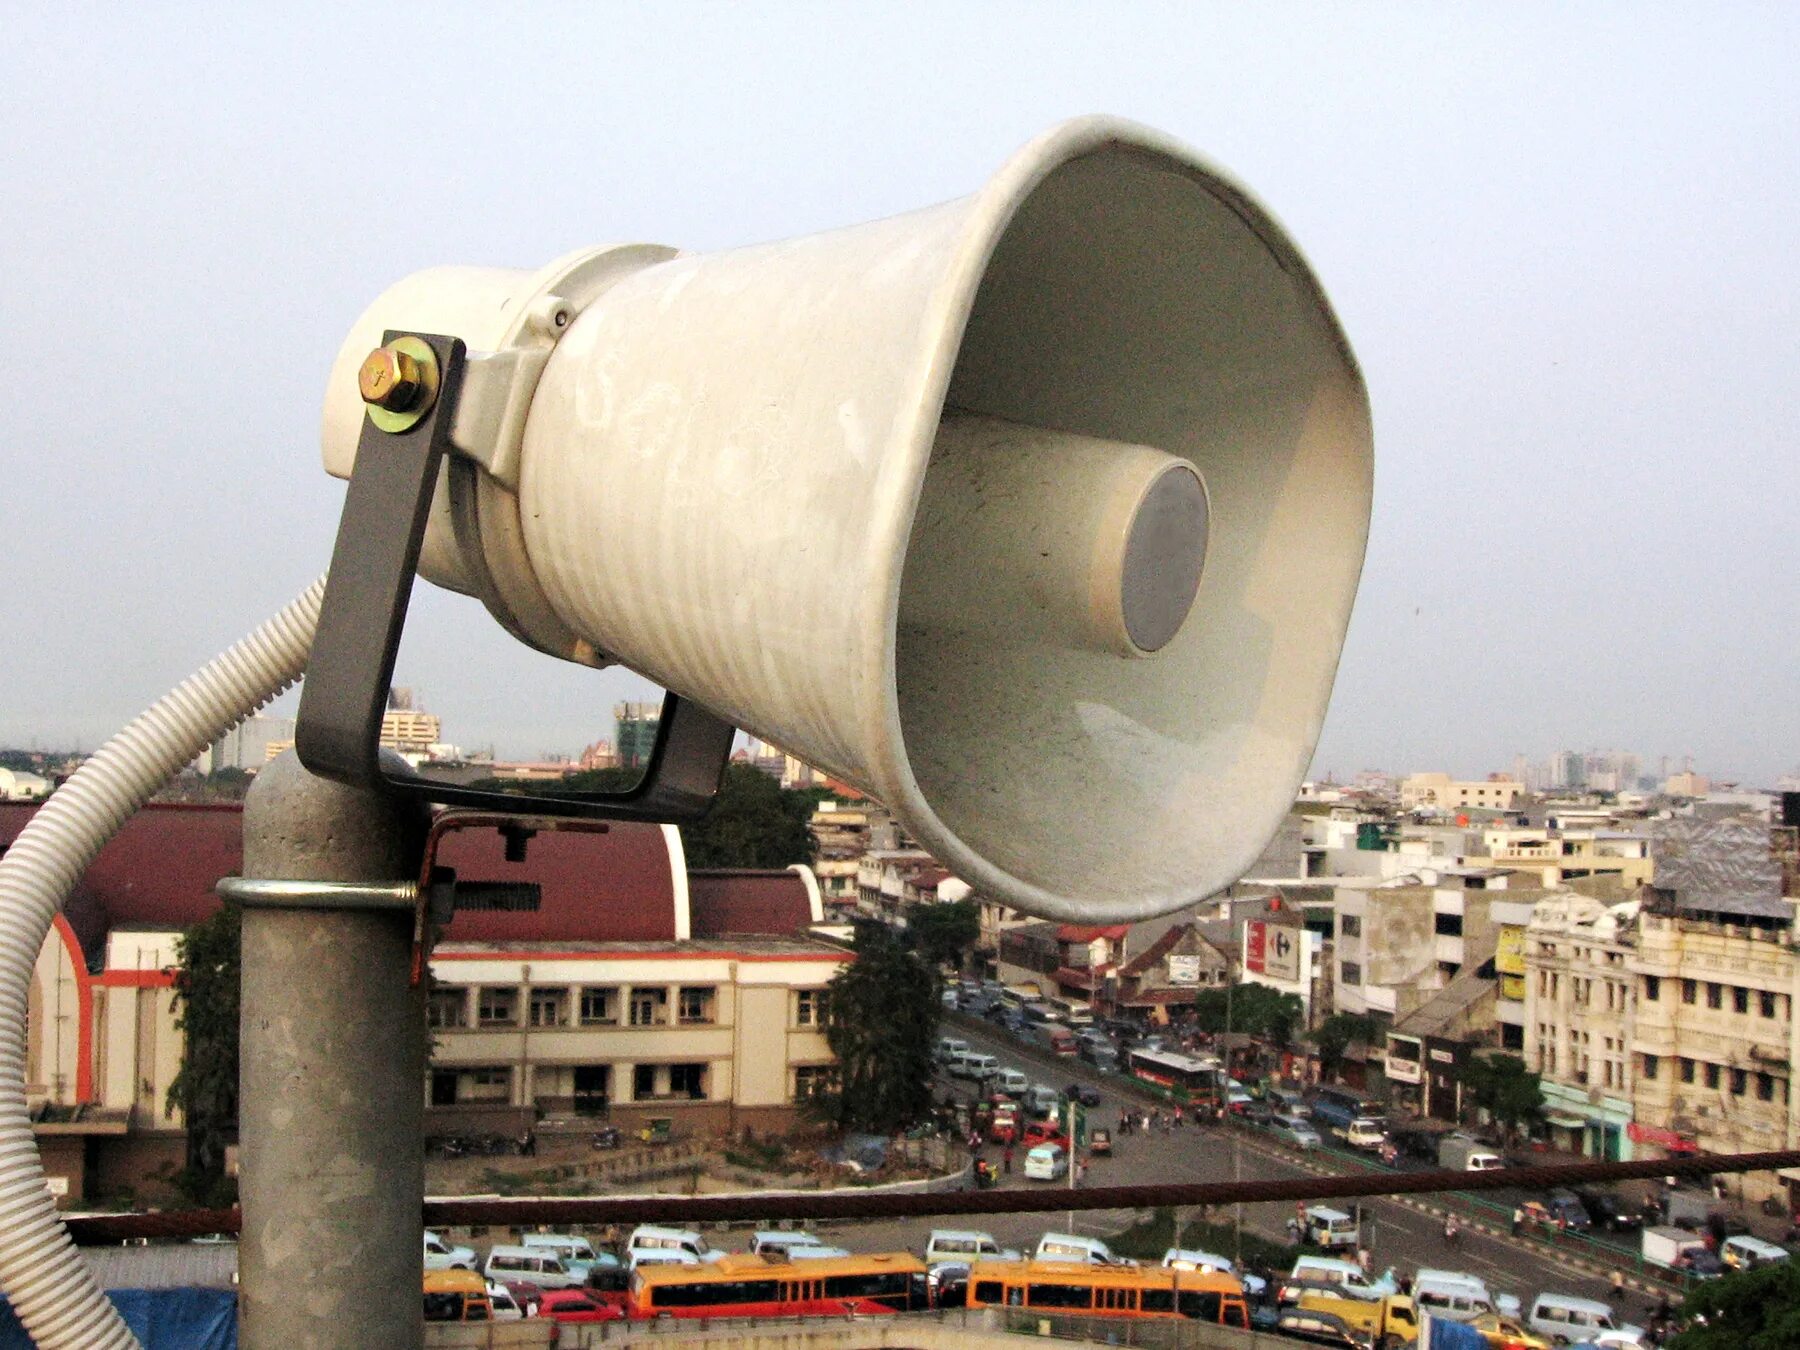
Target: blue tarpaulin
(1445, 1335)
(163, 1319)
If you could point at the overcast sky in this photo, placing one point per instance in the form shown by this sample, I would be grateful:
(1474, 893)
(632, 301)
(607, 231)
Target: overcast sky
(1561, 239)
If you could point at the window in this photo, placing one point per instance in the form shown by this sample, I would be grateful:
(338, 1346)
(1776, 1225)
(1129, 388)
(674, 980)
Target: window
(809, 1007)
(650, 1082)
(1689, 989)
(1740, 1082)
(696, 1004)
(1060, 1296)
(1511, 1037)
(1715, 995)
(810, 1080)
(1712, 1075)
(1768, 1003)
(599, 1007)
(1650, 1063)
(549, 1007)
(1740, 1000)
(1765, 1087)
(498, 1006)
(447, 1009)
(1687, 1069)
(649, 1007)
(1352, 973)
(486, 1085)
(1652, 988)
(1350, 925)
(1448, 925)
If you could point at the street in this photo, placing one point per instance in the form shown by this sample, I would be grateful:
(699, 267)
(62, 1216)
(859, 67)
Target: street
(1403, 1238)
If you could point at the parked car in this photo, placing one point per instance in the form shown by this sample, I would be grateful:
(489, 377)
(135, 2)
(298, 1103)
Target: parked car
(1100, 1143)
(1613, 1211)
(576, 1305)
(440, 1255)
(1081, 1092)
(1317, 1328)
(1294, 1131)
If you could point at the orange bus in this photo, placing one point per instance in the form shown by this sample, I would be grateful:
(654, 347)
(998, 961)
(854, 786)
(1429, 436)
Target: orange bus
(741, 1285)
(1109, 1291)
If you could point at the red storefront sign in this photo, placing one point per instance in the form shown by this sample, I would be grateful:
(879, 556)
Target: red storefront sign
(1653, 1134)
(1256, 935)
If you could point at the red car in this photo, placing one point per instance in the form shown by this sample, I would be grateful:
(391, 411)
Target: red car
(1046, 1132)
(576, 1305)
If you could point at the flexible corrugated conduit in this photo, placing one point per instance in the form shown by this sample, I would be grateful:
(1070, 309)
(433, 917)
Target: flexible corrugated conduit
(41, 1270)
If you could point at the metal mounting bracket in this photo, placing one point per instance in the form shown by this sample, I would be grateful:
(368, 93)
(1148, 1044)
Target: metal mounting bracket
(382, 527)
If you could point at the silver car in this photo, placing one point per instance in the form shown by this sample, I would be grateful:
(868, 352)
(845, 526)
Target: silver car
(1293, 1130)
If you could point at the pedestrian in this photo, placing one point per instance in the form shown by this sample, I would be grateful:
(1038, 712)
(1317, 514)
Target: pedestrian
(1518, 1220)
(1618, 1292)
(1364, 1259)
(1178, 1117)
(1006, 1160)
(1081, 1172)
(1293, 1232)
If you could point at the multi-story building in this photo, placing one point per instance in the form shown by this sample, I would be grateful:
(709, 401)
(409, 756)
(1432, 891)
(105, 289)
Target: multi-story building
(1580, 1019)
(635, 732)
(1437, 791)
(637, 990)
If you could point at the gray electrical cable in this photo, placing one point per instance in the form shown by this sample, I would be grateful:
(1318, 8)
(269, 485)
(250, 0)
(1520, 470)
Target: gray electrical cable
(50, 1286)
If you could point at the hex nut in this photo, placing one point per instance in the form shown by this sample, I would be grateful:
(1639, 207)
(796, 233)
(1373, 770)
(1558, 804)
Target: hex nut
(389, 380)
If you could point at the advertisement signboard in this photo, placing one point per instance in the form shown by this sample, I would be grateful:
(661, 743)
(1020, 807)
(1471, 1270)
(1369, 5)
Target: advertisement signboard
(1184, 969)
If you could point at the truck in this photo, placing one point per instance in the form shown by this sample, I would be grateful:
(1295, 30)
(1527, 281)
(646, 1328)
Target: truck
(1460, 1153)
(1667, 1247)
(1388, 1322)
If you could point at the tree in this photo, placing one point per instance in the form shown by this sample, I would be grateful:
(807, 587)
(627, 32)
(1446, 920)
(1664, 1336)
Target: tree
(1334, 1036)
(1747, 1310)
(1505, 1089)
(753, 822)
(1254, 1009)
(205, 1086)
(943, 933)
(881, 1021)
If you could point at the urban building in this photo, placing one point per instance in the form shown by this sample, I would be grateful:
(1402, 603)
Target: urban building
(1437, 792)
(636, 991)
(635, 732)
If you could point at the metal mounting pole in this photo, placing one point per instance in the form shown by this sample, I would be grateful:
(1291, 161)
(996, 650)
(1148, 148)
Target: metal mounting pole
(332, 1071)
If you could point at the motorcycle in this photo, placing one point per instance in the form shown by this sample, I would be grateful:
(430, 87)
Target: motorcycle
(607, 1137)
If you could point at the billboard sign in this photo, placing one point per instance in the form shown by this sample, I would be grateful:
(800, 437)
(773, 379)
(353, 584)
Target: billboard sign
(1272, 949)
(1184, 970)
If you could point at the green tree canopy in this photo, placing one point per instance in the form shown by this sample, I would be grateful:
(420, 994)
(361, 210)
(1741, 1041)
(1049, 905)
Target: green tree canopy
(1505, 1088)
(1254, 1009)
(881, 1021)
(205, 1086)
(1746, 1310)
(753, 822)
(944, 933)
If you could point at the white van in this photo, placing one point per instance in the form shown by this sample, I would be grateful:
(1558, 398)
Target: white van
(975, 1067)
(1085, 1251)
(950, 1049)
(440, 1255)
(1046, 1162)
(1346, 1275)
(1563, 1318)
(650, 1244)
(964, 1244)
(1012, 1082)
(1744, 1252)
(1043, 1101)
(1188, 1258)
(1452, 1295)
(1329, 1228)
(577, 1253)
(539, 1265)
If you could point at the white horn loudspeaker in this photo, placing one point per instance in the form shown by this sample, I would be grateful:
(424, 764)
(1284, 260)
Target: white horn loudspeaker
(1037, 515)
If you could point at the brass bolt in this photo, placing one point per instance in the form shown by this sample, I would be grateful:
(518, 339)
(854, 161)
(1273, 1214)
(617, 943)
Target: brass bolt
(389, 380)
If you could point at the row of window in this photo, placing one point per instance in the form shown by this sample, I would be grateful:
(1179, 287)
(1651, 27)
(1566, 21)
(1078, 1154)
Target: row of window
(1740, 1081)
(649, 1082)
(497, 1005)
(1767, 1004)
